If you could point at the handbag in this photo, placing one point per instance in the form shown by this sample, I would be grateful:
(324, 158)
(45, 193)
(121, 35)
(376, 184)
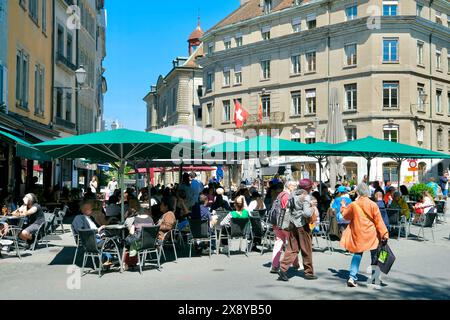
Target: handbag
(385, 258)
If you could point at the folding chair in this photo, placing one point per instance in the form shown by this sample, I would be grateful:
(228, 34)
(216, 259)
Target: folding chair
(199, 232)
(77, 243)
(60, 214)
(238, 229)
(440, 210)
(13, 235)
(49, 222)
(394, 220)
(257, 232)
(323, 233)
(149, 245)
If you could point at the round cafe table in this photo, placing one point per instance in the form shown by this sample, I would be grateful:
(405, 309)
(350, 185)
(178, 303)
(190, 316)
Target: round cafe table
(117, 234)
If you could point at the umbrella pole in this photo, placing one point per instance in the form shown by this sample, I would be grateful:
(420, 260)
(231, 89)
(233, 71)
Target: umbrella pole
(181, 173)
(122, 191)
(399, 164)
(147, 166)
(369, 162)
(320, 175)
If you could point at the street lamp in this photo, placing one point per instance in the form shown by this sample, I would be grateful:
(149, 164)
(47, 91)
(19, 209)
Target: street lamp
(81, 75)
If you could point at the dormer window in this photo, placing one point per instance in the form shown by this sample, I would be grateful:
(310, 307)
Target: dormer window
(267, 6)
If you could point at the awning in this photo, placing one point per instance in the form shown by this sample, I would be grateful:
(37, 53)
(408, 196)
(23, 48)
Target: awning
(25, 150)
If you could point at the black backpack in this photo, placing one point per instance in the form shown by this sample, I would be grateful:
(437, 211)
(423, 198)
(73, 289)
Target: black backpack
(276, 212)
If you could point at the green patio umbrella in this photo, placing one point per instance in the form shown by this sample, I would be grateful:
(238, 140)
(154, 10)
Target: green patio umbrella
(119, 146)
(370, 148)
(25, 149)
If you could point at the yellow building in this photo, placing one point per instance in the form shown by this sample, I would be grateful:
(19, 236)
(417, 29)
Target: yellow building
(30, 61)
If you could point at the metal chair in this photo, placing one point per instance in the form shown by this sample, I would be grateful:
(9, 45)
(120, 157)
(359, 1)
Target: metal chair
(60, 214)
(257, 231)
(426, 221)
(40, 236)
(149, 244)
(169, 239)
(394, 220)
(49, 222)
(324, 233)
(199, 232)
(13, 235)
(77, 243)
(91, 249)
(238, 229)
(178, 234)
(440, 210)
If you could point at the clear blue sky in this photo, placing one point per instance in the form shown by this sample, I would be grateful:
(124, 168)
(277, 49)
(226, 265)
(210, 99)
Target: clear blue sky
(143, 37)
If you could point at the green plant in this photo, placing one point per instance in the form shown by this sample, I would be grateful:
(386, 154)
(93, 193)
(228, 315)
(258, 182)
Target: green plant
(416, 191)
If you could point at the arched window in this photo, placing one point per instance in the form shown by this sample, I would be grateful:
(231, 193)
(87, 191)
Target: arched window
(422, 172)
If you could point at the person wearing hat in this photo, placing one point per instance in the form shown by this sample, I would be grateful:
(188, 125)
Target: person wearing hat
(300, 236)
(341, 200)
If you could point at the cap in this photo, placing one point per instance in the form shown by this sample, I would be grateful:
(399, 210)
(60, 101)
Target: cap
(342, 189)
(305, 184)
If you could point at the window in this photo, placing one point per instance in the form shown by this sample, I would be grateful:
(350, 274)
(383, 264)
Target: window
(311, 21)
(69, 107)
(390, 50)
(209, 108)
(438, 60)
(438, 17)
(267, 6)
(39, 90)
(226, 77)
(295, 64)
(69, 47)
(390, 95)
(310, 140)
(60, 40)
(350, 97)
(311, 101)
(210, 48)
(33, 9)
(311, 61)
(350, 54)
(238, 40)
(44, 15)
(238, 74)
(350, 133)
(420, 52)
(265, 100)
(440, 139)
(265, 32)
(420, 93)
(419, 9)
(265, 68)
(351, 13)
(59, 103)
(296, 25)
(226, 111)
(296, 98)
(390, 8)
(295, 139)
(227, 43)
(22, 77)
(209, 81)
(390, 133)
(439, 101)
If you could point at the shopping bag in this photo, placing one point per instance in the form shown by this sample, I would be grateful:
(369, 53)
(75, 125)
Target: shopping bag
(385, 258)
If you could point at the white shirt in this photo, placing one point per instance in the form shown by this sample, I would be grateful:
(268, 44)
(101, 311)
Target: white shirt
(91, 223)
(112, 186)
(252, 206)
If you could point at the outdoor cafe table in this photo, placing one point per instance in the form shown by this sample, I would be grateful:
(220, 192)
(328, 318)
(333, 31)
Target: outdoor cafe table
(12, 220)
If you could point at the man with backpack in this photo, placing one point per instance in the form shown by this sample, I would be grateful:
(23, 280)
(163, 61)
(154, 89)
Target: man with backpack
(300, 236)
(281, 235)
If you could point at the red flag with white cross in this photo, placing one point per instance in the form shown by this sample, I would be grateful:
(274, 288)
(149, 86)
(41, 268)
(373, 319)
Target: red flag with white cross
(240, 114)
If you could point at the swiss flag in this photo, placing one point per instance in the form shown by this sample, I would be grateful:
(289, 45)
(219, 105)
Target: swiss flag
(240, 115)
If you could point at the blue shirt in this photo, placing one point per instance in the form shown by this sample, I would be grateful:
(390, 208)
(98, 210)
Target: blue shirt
(382, 207)
(336, 205)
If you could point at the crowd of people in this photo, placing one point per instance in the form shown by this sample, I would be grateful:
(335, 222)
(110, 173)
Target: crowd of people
(360, 212)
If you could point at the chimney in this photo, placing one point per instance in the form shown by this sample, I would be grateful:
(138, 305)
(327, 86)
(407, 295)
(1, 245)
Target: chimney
(244, 2)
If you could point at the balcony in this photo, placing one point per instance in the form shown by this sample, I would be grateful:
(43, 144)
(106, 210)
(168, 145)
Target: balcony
(64, 123)
(275, 118)
(65, 62)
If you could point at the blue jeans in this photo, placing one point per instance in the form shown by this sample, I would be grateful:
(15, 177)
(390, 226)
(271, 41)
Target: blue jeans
(445, 192)
(356, 261)
(100, 240)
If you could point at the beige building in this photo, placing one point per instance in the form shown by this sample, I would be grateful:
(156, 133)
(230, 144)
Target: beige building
(388, 60)
(174, 99)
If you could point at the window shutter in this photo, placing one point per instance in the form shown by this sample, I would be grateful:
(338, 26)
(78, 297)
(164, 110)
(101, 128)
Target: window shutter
(265, 29)
(296, 21)
(311, 17)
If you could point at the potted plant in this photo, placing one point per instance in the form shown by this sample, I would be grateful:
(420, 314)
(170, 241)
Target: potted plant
(416, 191)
